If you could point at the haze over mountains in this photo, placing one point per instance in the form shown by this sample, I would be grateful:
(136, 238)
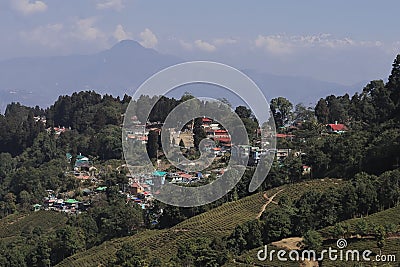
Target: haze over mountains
(39, 81)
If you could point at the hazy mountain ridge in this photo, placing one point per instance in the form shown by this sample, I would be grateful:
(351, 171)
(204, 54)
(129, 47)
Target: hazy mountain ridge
(39, 81)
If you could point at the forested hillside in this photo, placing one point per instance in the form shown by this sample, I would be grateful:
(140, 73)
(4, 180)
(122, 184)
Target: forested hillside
(354, 140)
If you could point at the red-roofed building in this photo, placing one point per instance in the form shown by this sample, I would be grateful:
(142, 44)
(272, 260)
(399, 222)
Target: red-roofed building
(185, 176)
(336, 128)
(136, 188)
(58, 130)
(206, 121)
(279, 135)
(224, 140)
(306, 170)
(220, 136)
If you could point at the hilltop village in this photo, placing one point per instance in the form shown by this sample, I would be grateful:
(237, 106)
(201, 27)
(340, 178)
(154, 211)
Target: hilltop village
(139, 188)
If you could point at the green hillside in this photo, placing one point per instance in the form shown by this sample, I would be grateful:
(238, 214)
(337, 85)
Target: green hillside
(250, 259)
(392, 244)
(218, 222)
(389, 216)
(14, 225)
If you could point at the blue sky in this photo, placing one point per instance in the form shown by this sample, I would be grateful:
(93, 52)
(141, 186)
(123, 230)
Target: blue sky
(340, 41)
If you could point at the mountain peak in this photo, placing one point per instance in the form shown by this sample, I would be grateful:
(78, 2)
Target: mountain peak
(127, 44)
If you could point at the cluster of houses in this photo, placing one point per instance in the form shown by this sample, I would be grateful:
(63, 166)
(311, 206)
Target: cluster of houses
(141, 187)
(66, 205)
(220, 141)
(83, 167)
(41, 119)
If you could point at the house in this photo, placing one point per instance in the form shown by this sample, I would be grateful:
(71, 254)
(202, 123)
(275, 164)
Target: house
(87, 192)
(82, 175)
(219, 135)
(306, 170)
(82, 163)
(186, 177)
(41, 119)
(217, 151)
(285, 136)
(206, 121)
(241, 151)
(336, 128)
(159, 178)
(36, 207)
(71, 203)
(101, 189)
(215, 126)
(183, 177)
(57, 130)
(136, 188)
(255, 155)
(282, 153)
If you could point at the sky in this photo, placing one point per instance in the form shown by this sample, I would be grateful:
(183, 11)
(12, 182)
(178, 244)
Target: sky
(338, 41)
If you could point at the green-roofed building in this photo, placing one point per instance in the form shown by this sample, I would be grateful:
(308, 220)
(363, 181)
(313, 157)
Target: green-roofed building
(71, 201)
(36, 207)
(159, 173)
(101, 189)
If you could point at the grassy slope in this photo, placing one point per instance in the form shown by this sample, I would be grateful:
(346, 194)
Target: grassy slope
(217, 222)
(389, 216)
(12, 226)
(392, 245)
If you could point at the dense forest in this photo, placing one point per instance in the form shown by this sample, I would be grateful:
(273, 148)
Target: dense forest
(32, 160)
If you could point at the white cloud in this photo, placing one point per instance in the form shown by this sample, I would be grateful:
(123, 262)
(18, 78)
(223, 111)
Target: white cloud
(27, 7)
(186, 45)
(149, 39)
(273, 44)
(224, 41)
(111, 4)
(79, 32)
(120, 34)
(206, 46)
(202, 45)
(47, 35)
(85, 30)
(284, 44)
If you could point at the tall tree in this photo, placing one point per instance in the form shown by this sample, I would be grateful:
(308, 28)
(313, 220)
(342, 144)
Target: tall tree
(394, 82)
(152, 144)
(282, 110)
(303, 113)
(322, 111)
(243, 112)
(198, 132)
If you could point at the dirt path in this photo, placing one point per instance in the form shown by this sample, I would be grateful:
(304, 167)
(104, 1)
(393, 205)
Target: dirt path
(293, 244)
(308, 263)
(289, 243)
(269, 200)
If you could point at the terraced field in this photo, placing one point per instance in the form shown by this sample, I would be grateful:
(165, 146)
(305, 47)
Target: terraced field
(392, 247)
(13, 225)
(218, 222)
(392, 244)
(295, 191)
(250, 259)
(389, 216)
(163, 243)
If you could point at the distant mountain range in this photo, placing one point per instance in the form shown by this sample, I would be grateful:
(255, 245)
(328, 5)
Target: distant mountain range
(39, 81)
